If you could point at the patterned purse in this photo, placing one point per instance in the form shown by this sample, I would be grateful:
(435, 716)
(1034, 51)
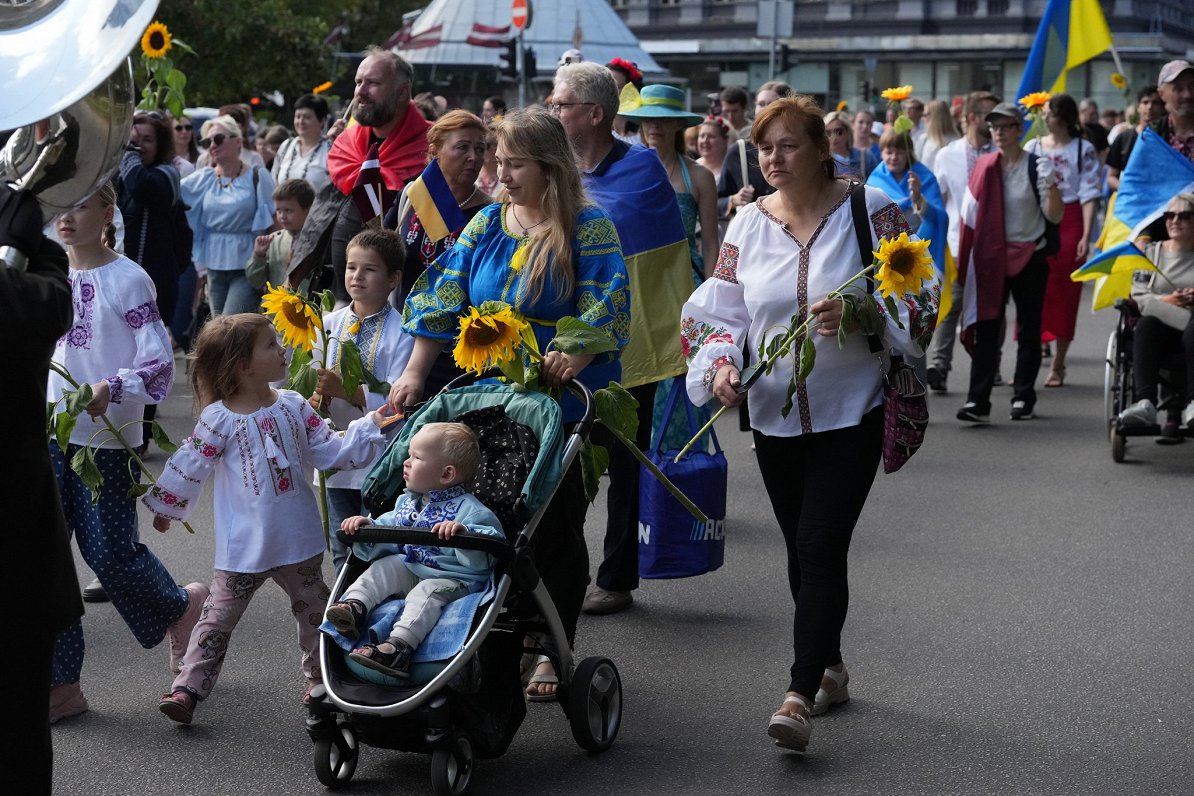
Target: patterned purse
(905, 406)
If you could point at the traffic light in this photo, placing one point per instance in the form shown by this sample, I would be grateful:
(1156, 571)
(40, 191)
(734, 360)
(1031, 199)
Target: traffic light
(786, 58)
(528, 63)
(509, 56)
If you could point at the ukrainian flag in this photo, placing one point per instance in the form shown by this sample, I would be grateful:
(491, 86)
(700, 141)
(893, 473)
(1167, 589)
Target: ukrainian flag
(434, 204)
(1122, 259)
(1072, 32)
(1155, 174)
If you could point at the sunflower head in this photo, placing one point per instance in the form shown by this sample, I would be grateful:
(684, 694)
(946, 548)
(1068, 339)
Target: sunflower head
(1119, 81)
(903, 265)
(1035, 101)
(842, 106)
(294, 317)
(488, 336)
(897, 94)
(156, 41)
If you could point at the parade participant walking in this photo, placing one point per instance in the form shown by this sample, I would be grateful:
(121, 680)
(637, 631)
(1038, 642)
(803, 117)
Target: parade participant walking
(548, 252)
(1150, 108)
(385, 115)
(1079, 176)
(260, 443)
(1010, 197)
(231, 204)
(1176, 86)
(631, 185)
(305, 157)
(953, 167)
(818, 463)
(118, 345)
(856, 164)
(939, 132)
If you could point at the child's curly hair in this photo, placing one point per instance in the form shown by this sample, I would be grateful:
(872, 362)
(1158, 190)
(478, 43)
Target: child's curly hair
(224, 342)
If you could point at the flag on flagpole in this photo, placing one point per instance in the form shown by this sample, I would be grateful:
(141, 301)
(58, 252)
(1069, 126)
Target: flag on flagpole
(1072, 32)
(433, 203)
(1122, 259)
(424, 39)
(369, 193)
(487, 35)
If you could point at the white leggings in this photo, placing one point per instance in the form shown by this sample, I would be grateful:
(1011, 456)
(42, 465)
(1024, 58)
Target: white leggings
(425, 599)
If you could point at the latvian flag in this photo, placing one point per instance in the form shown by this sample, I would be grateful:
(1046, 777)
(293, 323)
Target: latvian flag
(370, 194)
(487, 35)
(423, 39)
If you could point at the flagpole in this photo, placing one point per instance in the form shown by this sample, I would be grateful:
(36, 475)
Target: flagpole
(522, 78)
(1119, 67)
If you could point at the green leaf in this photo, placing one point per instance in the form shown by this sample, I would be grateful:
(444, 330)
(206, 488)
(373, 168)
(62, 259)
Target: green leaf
(327, 301)
(847, 320)
(574, 336)
(77, 400)
(161, 438)
(375, 385)
(64, 424)
(176, 80)
(617, 409)
(808, 358)
(352, 369)
(869, 319)
(890, 303)
(594, 460)
(514, 369)
(137, 490)
(787, 407)
(303, 377)
(83, 463)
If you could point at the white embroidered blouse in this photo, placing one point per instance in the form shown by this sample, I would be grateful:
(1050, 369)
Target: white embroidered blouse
(266, 514)
(1078, 182)
(763, 275)
(117, 336)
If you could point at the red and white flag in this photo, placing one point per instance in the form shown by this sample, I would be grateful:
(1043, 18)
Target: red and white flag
(487, 35)
(399, 37)
(423, 39)
(369, 193)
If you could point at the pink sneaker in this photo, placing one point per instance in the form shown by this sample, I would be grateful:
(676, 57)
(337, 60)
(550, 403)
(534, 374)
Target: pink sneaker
(66, 700)
(178, 706)
(179, 633)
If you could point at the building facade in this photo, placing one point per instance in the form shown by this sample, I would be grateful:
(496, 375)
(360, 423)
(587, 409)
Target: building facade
(852, 49)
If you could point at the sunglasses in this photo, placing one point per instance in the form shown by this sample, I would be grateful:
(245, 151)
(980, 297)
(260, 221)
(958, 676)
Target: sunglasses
(216, 140)
(178, 128)
(1182, 215)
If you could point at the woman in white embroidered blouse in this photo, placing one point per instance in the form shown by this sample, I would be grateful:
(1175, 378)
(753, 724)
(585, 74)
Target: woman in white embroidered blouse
(1080, 177)
(787, 251)
(305, 157)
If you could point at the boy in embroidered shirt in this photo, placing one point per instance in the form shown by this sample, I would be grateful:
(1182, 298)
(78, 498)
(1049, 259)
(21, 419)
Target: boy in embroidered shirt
(443, 457)
(373, 270)
(271, 252)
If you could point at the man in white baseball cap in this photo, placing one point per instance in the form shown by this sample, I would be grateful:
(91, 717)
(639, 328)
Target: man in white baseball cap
(1176, 87)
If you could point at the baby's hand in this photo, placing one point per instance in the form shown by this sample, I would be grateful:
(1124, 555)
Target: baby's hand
(447, 529)
(161, 524)
(261, 245)
(385, 416)
(353, 524)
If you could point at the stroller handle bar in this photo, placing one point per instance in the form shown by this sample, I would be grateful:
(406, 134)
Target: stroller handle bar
(466, 540)
(576, 387)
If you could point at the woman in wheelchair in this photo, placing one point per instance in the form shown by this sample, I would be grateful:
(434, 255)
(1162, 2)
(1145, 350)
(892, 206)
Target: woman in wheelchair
(1166, 325)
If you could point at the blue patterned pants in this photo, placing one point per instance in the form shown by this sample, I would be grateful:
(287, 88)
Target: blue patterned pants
(140, 587)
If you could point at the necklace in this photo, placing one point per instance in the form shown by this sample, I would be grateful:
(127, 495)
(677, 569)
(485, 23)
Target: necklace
(295, 152)
(526, 231)
(469, 198)
(220, 180)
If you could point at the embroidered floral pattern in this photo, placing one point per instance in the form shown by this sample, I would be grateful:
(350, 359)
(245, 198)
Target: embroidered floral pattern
(83, 297)
(157, 377)
(115, 389)
(694, 335)
(168, 498)
(889, 222)
(143, 314)
(204, 449)
(711, 371)
(727, 264)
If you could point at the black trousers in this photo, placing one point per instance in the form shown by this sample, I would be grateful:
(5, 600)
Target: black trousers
(28, 757)
(619, 569)
(818, 484)
(1153, 344)
(1027, 289)
(561, 555)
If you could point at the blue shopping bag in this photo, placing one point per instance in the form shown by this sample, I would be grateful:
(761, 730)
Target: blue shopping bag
(671, 542)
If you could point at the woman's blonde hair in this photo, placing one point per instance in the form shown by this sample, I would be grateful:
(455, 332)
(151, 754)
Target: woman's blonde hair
(534, 134)
(224, 342)
(939, 123)
(106, 194)
(226, 123)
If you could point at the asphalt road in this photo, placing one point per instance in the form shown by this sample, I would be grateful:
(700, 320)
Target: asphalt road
(1020, 624)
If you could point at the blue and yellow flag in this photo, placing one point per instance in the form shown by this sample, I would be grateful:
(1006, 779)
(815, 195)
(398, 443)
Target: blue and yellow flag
(1155, 173)
(1122, 259)
(434, 204)
(1071, 33)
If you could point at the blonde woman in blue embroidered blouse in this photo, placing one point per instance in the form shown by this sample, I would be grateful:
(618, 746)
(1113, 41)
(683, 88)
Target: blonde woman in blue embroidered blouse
(548, 252)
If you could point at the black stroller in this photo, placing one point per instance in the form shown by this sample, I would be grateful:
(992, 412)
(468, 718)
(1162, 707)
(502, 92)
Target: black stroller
(471, 704)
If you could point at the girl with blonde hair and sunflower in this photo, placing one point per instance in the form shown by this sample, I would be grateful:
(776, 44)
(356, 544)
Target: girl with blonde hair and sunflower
(818, 444)
(260, 443)
(548, 252)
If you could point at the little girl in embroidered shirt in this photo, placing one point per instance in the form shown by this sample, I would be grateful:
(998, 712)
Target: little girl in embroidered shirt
(259, 442)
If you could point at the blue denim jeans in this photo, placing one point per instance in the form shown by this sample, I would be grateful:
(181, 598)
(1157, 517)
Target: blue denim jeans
(229, 292)
(342, 503)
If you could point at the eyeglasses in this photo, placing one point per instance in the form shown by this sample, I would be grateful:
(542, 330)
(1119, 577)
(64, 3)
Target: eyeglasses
(835, 131)
(216, 140)
(1182, 215)
(556, 107)
(1003, 128)
(178, 128)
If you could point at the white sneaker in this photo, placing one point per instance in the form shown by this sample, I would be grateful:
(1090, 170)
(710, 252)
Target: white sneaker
(1141, 413)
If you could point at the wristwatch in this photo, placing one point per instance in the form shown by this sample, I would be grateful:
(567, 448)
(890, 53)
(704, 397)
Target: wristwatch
(14, 258)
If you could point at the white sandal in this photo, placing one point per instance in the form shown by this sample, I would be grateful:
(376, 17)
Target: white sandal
(835, 694)
(792, 732)
(543, 679)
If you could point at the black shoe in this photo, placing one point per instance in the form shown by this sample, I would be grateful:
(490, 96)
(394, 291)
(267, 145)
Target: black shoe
(94, 592)
(395, 664)
(936, 379)
(973, 413)
(1021, 411)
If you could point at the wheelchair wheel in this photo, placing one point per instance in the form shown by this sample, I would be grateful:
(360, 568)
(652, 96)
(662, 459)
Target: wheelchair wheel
(336, 758)
(595, 704)
(1118, 443)
(1112, 399)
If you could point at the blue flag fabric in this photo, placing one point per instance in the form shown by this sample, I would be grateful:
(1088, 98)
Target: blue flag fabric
(1071, 32)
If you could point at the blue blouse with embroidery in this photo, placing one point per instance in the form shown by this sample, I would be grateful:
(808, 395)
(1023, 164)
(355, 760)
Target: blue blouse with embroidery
(477, 269)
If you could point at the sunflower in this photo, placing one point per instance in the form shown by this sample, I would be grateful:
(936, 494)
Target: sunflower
(296, 319)
(156, 41)
(1035, 101)
(322, 87)
(897, 94)
(487, 338)
(1119, 81)
(904, 264)
(843, 106)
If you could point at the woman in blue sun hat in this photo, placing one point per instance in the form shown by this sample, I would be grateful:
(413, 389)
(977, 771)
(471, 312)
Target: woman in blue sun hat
(662, 117)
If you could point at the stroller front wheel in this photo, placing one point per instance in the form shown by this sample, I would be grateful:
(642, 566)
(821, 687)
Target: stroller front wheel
(595, 704)
(452, 768)
(336, 757)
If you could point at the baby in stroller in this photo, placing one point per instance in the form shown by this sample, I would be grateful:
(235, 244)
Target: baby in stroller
(443, 458)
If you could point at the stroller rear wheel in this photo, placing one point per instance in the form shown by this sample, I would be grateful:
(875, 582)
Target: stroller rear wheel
(595, 704)
(452, 768)
(336, 757)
